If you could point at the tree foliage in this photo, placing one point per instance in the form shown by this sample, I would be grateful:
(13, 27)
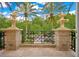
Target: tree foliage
(4, 22)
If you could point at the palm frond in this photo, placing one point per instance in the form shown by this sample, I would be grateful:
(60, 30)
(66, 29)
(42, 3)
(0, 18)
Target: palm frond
(8, 6)
(31, 10)
(1, 6)
(31, 6)
(17, 4)
(70, 6)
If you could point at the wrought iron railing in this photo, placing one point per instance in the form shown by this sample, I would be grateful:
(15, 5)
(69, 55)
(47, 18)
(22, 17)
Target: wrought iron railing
(40, 37)
(2, 45)
(73, 40)
(47, 37)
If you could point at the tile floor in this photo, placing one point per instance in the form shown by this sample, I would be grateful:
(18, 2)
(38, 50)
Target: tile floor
(35, 52)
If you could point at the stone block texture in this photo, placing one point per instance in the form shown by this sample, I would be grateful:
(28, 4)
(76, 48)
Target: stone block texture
(63, 40)
(12, 39)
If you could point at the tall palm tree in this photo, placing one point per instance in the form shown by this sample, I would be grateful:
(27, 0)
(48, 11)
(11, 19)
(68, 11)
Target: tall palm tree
(52, 8)
(49, 7)
(28, 11)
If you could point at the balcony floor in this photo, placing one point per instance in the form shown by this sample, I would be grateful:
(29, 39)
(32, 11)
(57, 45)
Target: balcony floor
(36, 52)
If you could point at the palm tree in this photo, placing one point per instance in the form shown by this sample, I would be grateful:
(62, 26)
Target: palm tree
(28, 11)
(49, 7)
(53, 8)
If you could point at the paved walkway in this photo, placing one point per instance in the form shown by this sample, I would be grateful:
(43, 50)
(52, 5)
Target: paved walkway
(35, 52)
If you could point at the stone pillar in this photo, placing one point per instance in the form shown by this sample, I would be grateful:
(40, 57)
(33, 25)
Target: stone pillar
(62, 35)
(12, 39)
(63, 39)
(12, 35)
(77, 28)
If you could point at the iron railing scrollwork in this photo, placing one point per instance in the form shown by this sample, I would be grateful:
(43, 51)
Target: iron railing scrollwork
(42, 36)
(73, 40)
(2, 45)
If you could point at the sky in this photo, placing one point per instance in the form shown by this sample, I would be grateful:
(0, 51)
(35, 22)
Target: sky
(6, 12)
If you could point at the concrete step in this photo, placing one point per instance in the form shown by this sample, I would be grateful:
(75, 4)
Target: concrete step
(39, 45)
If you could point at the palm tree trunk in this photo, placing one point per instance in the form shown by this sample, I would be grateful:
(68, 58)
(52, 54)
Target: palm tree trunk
(52, 20)
(26, 25)
(26, 15)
